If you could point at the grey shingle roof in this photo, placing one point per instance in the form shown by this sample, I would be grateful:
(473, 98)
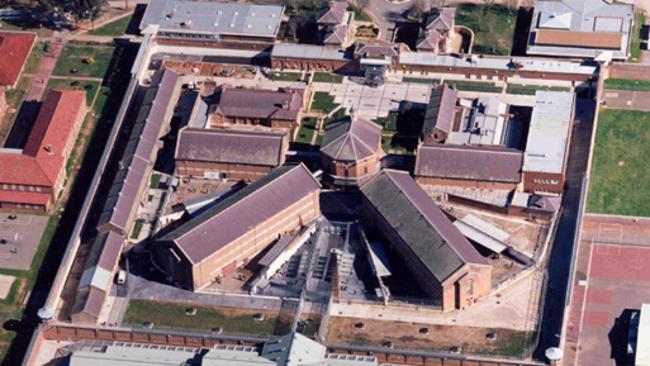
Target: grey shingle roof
(420, 223)
(351, 139)
(236, 215)
(491, 164)
(257, 103)
(440, 110)
(335, 14)
(231, 146)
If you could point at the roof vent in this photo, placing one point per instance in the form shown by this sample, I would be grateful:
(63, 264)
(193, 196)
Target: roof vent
(48, 149)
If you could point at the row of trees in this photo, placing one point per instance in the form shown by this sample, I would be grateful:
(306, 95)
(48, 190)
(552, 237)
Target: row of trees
(78, 9)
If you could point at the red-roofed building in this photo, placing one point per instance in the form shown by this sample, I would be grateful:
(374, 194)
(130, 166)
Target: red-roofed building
(33, 177)
(14, 50)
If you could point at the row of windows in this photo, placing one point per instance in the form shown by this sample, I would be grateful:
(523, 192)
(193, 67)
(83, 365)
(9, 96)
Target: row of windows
(21, 187)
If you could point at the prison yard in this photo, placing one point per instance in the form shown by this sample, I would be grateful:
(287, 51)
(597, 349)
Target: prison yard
(620, 164)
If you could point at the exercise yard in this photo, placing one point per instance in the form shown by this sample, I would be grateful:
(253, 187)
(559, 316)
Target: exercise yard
(619, 169)
(84, 61)
(493, 26)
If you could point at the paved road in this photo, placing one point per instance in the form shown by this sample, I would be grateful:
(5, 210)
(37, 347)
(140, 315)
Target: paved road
(46, 67)
(561, 253)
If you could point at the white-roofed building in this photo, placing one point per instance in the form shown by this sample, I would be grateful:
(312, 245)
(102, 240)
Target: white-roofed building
(549, 138)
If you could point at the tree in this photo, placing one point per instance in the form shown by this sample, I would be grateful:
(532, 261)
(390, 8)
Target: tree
(418, 10)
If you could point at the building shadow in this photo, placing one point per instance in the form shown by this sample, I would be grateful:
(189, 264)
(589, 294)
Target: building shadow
(23, 124)
(618, 338)
(522, 27)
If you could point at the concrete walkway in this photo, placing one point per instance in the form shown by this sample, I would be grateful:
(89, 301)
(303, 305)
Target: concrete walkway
(46, 67)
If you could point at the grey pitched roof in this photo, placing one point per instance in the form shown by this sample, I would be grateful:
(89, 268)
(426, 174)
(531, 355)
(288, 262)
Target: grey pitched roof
(442, 20)
(351, 139)
(491, 164)
(440, 110)
(88, 300)
(427, 40)
(307, 51)
(420, 223)
(257, 103)
(335, 35)
(231, 146)
(335, 14)
(236, 215)
(377, 49)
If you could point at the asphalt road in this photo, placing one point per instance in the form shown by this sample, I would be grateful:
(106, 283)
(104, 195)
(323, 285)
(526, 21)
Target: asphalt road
(561, 255)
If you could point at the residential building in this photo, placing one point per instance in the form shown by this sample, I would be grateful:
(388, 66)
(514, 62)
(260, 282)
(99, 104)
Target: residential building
(440, 114)
(212, 24)
(229, 154)
(490, 167)
(437, 33)
(32, 178)
(336, 25)
(581, 28)
(440, 259)
(549, 139)
(351, 151)
(230, 233)
(257, 107)
(15, 48)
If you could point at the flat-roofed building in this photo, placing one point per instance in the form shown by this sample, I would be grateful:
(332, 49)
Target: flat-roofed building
(212, 23)
(440, 114)
(258, 107)
(295, 56)
(441, 260)
(351, 151)
(581, 28)
(549, 139)
(488, 167)
(231, 232)
(31, 178)
(229, 154)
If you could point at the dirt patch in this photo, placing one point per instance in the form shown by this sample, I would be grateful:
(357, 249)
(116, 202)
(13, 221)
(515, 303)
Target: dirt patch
(429, 337)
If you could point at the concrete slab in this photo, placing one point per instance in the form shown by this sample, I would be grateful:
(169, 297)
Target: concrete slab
(5, 285)
(19, 239)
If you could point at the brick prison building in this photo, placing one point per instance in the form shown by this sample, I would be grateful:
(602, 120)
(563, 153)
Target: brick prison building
(441, 260)
(351, 152)
(229, 154)
(31, 178)
(230, 233)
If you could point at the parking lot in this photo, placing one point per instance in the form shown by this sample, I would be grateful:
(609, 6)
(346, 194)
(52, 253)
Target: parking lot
(19, 239)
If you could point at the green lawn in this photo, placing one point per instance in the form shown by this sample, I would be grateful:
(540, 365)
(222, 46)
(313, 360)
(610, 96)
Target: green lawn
(635, 44)
(66, 84)
(172, 315)
(76, 57)
(31, 65)
(41, 32)
(388, 123)
(286, 76)
(327, 77)
(493, 26)
(116, 28)
(420, 80)
(531, 89)
(306, 131)
(625, 84)
(480, 86)
(335, 117)
(322, 102)
(620, 164)
(155, 181)
(137, 228)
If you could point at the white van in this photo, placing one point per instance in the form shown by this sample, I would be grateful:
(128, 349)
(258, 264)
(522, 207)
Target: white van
(121, 277)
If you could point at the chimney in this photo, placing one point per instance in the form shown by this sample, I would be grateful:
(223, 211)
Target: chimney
(48, 149)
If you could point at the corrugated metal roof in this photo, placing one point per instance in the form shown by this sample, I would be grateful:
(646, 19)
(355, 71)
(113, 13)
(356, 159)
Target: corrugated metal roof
(548, 134)
(215, 18)
(236, 215)
(420, 223)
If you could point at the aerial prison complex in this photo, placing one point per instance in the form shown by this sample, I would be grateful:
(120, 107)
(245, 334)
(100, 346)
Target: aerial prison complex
(349, 175)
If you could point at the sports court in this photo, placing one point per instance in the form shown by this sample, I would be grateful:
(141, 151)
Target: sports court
(19, 239)
(610, 280)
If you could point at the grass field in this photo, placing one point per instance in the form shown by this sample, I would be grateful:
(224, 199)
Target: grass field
(231, 320)
(116, 28)
(626, 84)
(322, 102)
(327, 77)
(388, 123)
(41, 32)
(531, 89)
(493, 26)
(89, 86)
(420, 80)
(635, 44)
(480, 86)
(75, 57)
(306, 131)
(620, 164)
(31, 65)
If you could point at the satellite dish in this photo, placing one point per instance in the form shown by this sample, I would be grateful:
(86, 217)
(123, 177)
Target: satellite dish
(553, 354)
